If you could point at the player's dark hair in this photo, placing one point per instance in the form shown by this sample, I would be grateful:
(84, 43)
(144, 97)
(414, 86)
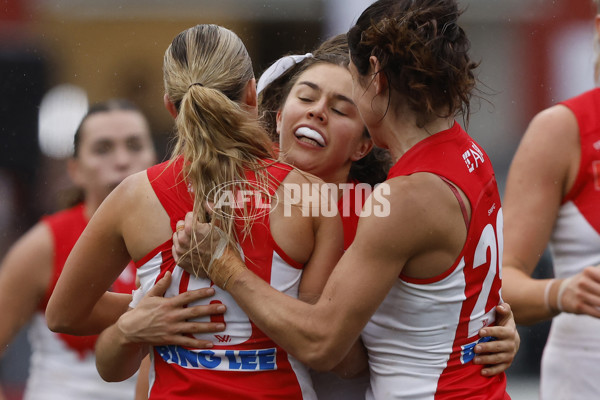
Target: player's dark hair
(422, 51)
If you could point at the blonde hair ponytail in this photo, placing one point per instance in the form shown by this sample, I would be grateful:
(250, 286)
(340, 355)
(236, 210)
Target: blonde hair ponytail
(206, 70)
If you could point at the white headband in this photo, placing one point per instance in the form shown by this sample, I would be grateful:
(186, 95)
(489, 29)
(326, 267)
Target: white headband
(278, 68)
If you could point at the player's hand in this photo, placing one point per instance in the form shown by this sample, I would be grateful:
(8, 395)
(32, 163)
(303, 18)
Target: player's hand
(192, 260)
(580, 294)
(157, 320)
(498, 355)
(205, 250)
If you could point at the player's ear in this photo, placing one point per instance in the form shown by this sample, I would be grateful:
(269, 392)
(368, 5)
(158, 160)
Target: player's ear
(170, 106)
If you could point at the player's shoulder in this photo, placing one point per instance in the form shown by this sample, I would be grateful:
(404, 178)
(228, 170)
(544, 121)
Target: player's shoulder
(553, 123)
(134, 184)
(129, 196)
(418, 204)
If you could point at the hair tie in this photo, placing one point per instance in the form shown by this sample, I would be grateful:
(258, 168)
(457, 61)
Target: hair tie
(278, 68)
(194, 84)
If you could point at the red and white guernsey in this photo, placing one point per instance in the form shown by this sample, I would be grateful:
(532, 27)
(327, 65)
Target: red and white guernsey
(244, 363)
(575, 241)
(572, 352)
(420, 340)
(328, 385)
(63, 367)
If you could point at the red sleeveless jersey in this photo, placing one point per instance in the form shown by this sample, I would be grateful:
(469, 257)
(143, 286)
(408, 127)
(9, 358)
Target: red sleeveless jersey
(244, 363)
(421, 338)
(66, 226)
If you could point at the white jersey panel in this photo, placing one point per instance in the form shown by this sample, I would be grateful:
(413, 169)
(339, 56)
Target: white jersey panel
(57, 372)
(570, 354)
(417, 313)
(572, 348)
(147, 275)
(284, 277)
(574, 243)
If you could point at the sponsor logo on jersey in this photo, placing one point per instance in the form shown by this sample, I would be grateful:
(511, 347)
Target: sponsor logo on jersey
(473, 157)
(223, 338)
(468, 352)
(220, 360)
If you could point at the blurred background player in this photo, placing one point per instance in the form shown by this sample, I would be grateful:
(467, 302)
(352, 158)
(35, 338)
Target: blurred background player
(112, 142)
(553, 199)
